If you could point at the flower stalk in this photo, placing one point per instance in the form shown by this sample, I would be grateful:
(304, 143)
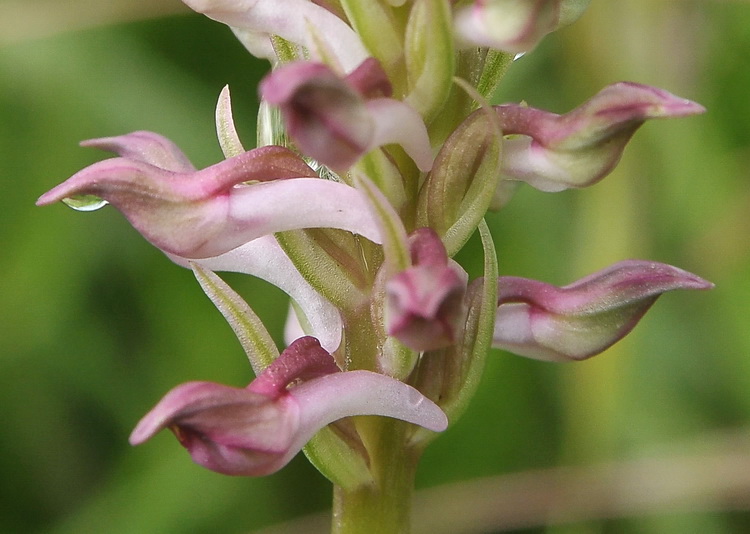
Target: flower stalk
(384, 506)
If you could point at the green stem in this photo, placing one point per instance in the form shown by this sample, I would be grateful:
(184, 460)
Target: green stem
(385, 506)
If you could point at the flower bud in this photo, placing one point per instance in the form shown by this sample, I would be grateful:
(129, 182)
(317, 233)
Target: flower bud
(459, 189)
(424, 305)
(336, 121)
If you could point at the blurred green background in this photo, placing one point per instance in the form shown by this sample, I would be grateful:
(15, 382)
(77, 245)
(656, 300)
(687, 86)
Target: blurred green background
(96, 325)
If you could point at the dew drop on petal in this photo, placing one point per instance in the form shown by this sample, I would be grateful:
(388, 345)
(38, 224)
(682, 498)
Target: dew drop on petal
(323, 171)
(415, 398)
(85, 202)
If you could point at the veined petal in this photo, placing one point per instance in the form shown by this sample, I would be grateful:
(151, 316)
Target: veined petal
(288, 19)
(459, 189)
(577, 321)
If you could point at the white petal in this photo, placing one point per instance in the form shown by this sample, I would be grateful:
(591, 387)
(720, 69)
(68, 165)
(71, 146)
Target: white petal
(266, 208)
(264, 258)
(288, 19)
(292, 327)
(338, 395)
(397, 122)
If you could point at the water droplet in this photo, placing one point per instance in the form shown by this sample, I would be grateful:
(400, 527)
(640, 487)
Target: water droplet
(323, 171)
(85, 202)
(519, 56)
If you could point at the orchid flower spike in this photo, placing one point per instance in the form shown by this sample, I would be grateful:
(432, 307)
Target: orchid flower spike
(577, 321)
(337, 120)
(514, 26)
(424, 305)
(199, 214)
(257, 430)
(555, 152)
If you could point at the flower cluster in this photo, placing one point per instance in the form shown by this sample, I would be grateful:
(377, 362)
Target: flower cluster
(378, 158)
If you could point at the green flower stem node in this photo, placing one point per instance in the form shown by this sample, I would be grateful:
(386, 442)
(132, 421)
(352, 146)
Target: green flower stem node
(337, 461)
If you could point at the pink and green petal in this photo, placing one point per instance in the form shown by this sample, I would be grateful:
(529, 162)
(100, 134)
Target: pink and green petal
(335, 121)
(146, 147)
(580, 320)
(424, 305)
(555, 152)
(228, 430)
(206, 213)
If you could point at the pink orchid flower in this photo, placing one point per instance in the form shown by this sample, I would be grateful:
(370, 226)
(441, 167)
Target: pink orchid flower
(580, 320)
(257, 430)
(205, 213)
(555, 152)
